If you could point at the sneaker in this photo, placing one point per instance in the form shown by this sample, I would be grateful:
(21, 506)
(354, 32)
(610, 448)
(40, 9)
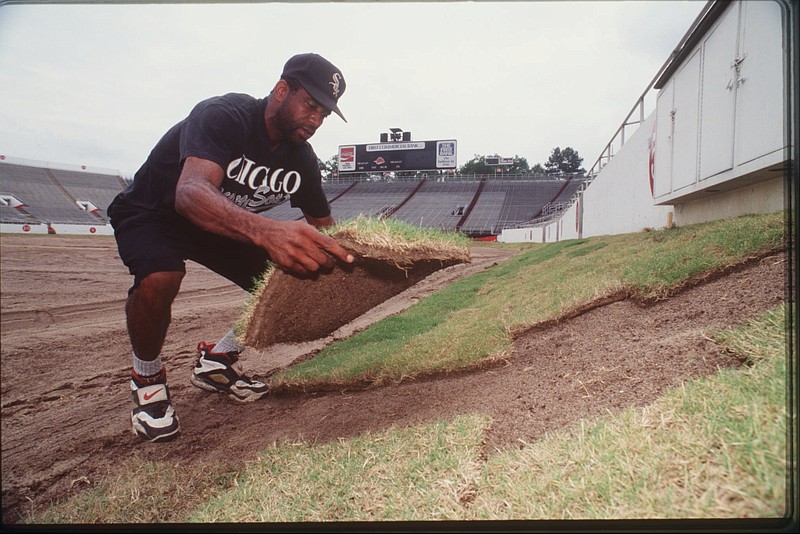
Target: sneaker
(152, 416)
(222, 373)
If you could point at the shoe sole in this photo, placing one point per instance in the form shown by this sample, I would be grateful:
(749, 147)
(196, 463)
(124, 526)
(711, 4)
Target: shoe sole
(158, 439)
(202, 384)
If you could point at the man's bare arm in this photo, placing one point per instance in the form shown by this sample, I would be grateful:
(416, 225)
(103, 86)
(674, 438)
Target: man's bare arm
(293, 245)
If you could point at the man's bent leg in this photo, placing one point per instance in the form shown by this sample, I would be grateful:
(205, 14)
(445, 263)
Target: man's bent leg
(149, 311)
(218, 368)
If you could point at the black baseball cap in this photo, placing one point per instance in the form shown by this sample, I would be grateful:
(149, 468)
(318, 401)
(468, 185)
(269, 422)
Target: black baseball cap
(319, 77)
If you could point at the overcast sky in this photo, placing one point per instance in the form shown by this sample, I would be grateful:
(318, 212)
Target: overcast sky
(97, 84)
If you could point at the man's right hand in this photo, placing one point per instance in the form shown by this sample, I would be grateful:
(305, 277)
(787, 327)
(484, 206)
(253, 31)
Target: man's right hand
(299, 248)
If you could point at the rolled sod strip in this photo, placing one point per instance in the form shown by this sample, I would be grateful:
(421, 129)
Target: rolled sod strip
(391, 256)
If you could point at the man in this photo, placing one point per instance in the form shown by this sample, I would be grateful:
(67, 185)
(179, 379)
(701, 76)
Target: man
(197, 197)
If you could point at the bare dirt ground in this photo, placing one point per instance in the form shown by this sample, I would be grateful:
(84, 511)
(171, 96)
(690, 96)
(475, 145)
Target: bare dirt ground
(66, 362)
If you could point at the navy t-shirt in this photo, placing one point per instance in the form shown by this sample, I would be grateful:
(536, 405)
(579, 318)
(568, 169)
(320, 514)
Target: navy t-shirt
(230, 131)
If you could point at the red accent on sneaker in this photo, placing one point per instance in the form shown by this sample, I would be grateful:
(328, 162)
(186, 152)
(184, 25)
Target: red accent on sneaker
(148, 380)
(148, 396)
(205, 346)
(229, 357)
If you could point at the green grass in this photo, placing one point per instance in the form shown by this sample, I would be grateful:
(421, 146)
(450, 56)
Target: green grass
(474, 320)
(406, 474)
(381, 351)
(143, 492)
(712, 448)
(396, 234)
(683, 253)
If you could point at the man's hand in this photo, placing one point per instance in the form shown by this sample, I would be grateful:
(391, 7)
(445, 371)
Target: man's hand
(299, 248)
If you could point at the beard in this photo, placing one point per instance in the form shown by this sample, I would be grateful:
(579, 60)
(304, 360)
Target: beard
(289, 129)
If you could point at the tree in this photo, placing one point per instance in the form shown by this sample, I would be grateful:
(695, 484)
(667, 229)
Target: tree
(329, 167)
(478, 165)
(565, 161)
(520, 166)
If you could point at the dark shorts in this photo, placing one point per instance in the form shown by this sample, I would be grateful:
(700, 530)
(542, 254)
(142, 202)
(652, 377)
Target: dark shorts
(150, 242)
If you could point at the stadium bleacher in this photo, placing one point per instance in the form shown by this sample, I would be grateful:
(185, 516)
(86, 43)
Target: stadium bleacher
(97, 189)
(475, 206)
(561, 201)
(370, 199)
(485, 216)
(41, 195)
(505, 204)
(13, 215)
(438, 204)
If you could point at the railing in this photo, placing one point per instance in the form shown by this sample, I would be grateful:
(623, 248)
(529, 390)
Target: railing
(346, 179)
(608, 151)
(684, 43)
(548, 214)
(637, 113)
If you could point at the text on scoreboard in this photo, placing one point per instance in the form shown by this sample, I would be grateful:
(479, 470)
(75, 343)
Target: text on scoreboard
(399, 156)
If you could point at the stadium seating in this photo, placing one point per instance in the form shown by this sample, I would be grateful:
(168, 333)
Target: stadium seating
(371, 199)
(43, 197)
(438, 204)
(97, 189)
(477, 206)
(13, 215)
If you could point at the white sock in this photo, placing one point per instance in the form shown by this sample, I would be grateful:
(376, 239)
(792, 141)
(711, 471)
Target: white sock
(147, 368)
(228, 343)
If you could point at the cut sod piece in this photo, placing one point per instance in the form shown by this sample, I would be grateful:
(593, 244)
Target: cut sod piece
(391, 256)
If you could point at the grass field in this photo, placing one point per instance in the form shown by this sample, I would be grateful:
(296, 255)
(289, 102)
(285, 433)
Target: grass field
(713, 448)
(474, 319)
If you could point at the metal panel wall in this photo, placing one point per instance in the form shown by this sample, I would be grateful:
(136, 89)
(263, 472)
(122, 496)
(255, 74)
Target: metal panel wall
(719, 95)
(759, 99)
(721, 114)
(662, 175)
(685, 132)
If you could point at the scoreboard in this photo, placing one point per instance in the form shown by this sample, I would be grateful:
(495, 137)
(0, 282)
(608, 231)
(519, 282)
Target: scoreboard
(398, 156)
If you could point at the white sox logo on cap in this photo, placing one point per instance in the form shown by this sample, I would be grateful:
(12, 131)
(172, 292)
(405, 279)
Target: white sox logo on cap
(335, 83)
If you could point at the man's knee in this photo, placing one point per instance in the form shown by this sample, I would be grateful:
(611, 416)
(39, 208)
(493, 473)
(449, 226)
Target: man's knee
(159, 287)
(163, 279)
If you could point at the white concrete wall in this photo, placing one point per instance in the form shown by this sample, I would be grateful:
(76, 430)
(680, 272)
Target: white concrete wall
(569, 224)
(23, 228)
(763, 197)
(527, 235)
(82, 229)
(620, 200)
